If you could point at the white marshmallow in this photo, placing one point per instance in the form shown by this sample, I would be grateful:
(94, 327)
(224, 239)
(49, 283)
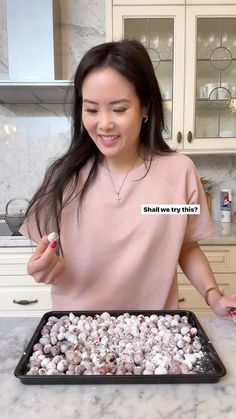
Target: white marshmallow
(53, 237)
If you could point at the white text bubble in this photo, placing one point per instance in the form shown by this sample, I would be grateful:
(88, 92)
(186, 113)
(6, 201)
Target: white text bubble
(170, 209)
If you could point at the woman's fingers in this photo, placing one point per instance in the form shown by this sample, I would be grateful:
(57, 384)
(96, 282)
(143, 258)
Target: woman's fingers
(56, 274)
(233, 314)
(230, 301)
(44, 265)
(40, 249)
(46, 261)
(43, 271)
(226, 306)
(52, 273)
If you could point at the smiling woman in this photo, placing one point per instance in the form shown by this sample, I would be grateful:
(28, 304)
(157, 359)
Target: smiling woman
(109, 255)
(113, 117)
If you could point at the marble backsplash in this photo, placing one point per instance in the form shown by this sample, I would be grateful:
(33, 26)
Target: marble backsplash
(221, 170)
(31, 136)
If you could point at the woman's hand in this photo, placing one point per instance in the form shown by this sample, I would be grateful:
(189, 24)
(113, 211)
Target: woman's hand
(225, 306)
(45, 265)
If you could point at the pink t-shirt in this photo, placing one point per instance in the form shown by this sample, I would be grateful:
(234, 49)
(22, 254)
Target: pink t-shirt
(118, 258)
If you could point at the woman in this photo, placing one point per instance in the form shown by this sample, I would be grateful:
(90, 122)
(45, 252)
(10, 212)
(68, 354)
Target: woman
(110, 255)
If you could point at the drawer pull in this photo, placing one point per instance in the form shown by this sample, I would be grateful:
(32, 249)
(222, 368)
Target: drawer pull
(25, 302)
(181, 300)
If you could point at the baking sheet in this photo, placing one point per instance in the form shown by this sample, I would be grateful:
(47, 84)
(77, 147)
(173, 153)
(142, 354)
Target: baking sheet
(213, 368)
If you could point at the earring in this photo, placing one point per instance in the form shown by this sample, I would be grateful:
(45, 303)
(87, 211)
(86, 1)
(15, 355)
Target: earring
(145, 118)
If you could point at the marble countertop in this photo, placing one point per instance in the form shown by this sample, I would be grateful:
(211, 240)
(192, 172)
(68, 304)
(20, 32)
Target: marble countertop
(159, 401)
(15, 241)
(224, 233)
(8, 240)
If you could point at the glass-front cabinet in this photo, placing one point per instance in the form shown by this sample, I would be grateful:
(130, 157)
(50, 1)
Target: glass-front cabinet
(210, 80)
(157, 35)
(193, 51)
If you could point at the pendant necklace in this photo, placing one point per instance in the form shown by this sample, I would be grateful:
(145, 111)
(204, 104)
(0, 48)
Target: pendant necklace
(117, 192)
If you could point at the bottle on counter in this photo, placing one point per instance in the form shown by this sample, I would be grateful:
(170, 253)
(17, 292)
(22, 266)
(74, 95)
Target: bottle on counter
(225, 205)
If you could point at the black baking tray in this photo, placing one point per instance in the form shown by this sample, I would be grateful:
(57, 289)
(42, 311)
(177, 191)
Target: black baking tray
(214, 369)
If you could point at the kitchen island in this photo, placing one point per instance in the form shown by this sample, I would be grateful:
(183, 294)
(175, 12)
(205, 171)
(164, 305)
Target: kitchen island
(159, 401)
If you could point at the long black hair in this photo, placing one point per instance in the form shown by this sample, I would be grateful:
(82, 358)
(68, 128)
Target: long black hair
(130, 59)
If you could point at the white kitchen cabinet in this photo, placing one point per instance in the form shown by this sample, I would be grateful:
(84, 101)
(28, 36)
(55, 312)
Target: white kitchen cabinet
(16, 285)
(193, 50)
(223, 263)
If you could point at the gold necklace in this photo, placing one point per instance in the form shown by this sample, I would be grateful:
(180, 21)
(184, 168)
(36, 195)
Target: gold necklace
(117, 192)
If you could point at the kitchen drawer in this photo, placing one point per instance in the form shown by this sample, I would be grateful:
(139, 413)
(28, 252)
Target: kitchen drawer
(17, 280)
(221, 258)
(190, 298)
(229, 279)
(39, 292)
(13, 261)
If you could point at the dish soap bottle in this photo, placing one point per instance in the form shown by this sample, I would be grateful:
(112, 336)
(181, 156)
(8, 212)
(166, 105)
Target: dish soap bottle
(225, 205)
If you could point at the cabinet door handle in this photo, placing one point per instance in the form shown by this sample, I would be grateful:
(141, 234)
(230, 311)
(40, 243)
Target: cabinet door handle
(179, 137)
(25, 302)
(190, 136)
(181, 300)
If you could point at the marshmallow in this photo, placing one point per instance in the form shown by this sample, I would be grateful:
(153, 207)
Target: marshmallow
(53, 237)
